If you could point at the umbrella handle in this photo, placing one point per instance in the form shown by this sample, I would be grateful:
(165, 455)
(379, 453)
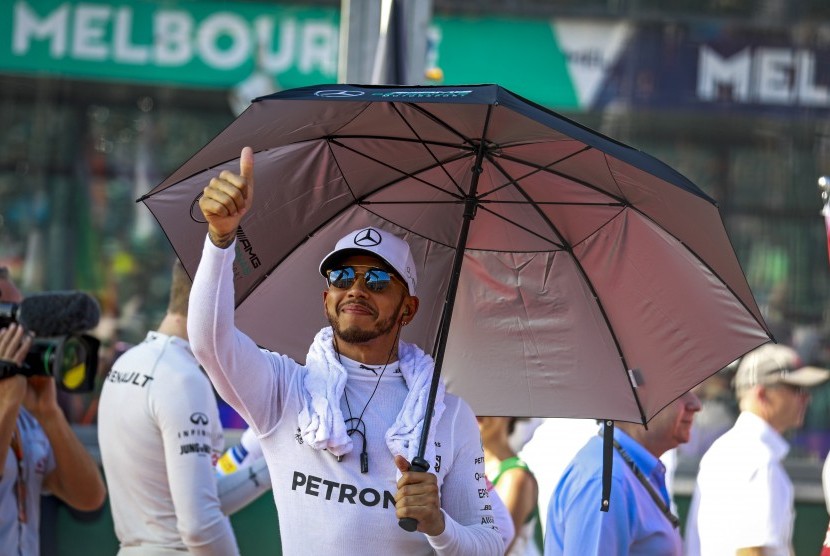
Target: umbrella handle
(421, 465)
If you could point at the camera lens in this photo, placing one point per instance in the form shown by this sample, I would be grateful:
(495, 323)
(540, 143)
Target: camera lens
(73, 363)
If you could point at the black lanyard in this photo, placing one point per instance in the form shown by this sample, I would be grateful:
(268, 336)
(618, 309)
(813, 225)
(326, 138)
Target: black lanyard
(658, 499)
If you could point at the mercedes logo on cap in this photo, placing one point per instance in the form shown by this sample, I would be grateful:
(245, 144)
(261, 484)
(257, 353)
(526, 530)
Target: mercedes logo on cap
(332, 93)
(367, 238)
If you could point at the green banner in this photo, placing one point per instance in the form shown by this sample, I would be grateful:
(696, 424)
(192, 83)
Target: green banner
(519, 54)
(191, 43)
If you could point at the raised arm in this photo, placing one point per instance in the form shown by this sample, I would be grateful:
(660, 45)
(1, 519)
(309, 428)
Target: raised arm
(244, 375)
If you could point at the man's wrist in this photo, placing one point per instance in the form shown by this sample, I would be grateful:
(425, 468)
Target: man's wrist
(9, 369)
(440, 526)
(221, 240)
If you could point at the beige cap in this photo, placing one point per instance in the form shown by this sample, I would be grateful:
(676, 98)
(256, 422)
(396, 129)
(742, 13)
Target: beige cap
(776, 364)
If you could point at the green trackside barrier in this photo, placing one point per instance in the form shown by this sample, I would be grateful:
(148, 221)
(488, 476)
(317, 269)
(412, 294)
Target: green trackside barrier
(257, 534)
(65, 532)
(68, 533)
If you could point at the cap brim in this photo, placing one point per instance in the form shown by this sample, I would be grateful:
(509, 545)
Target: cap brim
(806, 377)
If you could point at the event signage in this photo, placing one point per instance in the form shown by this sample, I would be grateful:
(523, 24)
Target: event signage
(207, 44)
(564, 63)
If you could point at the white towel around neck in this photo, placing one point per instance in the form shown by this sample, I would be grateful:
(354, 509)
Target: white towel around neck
(321, 422)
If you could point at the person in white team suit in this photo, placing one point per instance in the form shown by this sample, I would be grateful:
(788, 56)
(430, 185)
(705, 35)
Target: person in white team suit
(339, 432)
(160, 436)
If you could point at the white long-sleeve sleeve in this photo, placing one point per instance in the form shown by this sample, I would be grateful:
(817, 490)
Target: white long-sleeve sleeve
(159, 433)
(204, 529)
(243, 374)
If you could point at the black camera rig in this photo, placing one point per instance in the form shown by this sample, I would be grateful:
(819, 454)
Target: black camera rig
(59, 348)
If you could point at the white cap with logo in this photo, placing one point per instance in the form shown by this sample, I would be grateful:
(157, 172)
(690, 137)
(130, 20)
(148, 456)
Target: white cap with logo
(388, 247)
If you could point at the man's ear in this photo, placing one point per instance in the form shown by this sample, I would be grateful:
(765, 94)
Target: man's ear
(410, 308)
(761, 392)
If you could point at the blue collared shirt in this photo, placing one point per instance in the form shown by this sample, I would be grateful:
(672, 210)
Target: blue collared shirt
(634, 524)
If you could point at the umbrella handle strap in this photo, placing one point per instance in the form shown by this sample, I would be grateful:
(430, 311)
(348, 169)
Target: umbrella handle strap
(607, 463)
(410, 523)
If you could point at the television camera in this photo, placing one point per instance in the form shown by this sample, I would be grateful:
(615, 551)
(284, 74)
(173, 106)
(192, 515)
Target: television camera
(60, 347)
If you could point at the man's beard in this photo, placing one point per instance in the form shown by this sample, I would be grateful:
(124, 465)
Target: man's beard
(355, 335)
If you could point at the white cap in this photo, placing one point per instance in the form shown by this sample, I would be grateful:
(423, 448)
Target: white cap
(388, 247)
(776, 364)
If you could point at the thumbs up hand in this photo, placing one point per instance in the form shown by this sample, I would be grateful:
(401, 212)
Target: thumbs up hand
(227, 198)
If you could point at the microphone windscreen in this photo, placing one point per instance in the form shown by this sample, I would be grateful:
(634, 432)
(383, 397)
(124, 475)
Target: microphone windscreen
(59, 313)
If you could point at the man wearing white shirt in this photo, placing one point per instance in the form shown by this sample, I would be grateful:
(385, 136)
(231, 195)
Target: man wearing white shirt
(743, 502)
(160, 435)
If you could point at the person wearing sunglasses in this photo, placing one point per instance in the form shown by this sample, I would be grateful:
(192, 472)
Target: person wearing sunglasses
(743, 501)
(42, 453)
(339, 432)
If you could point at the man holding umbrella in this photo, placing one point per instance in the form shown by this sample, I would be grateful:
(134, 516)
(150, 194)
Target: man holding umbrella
(639, 520)
(338, 433)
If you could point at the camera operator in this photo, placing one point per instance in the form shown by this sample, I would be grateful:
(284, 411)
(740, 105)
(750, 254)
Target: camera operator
(42, 452)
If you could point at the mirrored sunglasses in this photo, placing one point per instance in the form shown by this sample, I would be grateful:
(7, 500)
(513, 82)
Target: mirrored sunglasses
(376, 279)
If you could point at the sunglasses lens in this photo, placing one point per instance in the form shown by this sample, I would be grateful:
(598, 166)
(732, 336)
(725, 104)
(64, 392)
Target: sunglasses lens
(342, 278)
(377, 280)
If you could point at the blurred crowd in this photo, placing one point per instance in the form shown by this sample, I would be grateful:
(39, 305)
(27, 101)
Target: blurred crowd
(544, 476)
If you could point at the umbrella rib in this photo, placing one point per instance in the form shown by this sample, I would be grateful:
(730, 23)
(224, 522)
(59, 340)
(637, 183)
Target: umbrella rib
(526, 229)
(404, 174)
(629, 206)
(708, 267)
(569, 248)
(701, 259)
(432, 154)
(471, 149)
(551, 203)
(469, 141)
(492, 202)
(547, 168)
(537, 168)
(523, 193)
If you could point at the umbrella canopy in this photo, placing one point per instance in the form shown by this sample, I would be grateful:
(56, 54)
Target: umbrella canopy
(583, 277)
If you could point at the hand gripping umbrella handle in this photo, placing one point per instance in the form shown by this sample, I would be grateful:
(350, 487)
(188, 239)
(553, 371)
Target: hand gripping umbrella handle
(421, 465)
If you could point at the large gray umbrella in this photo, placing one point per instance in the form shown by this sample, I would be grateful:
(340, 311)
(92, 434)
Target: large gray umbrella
(561, 273)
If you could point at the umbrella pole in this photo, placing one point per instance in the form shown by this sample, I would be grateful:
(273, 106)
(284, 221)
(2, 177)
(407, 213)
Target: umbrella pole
(418, 463)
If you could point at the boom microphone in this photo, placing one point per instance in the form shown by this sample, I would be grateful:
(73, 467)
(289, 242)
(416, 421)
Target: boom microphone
(54, 313)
